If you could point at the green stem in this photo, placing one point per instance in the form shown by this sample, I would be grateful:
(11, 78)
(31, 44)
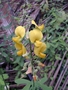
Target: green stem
(31, 59)
(4, 80)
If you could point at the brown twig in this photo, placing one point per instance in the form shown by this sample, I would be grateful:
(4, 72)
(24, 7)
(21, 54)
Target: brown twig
(52, 71)
(61, 76)
(58, 68)
(64, 84)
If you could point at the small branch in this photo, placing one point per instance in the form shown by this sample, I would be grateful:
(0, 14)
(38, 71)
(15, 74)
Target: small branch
(58, 68)
(61, 76)
(31, 59)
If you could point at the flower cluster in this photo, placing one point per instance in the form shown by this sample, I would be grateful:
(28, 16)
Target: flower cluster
(19, 34)
(35, 37)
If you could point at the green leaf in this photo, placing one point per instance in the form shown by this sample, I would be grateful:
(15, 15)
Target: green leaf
(2, 44)
(53, 21)
(1, 80)
(4, 54)
(21, 63)
(48, 45)
(17, 60)
(5, 76)
(57, 57)
(43, 80)
(1, 87)
(0, 77)
(22, 81)
(26, 87)
(44, 87)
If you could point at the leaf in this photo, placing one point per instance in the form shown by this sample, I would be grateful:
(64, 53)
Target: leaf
(4, 54)
(21, 62)
(1, 80)
(57, 57)
(0, 77)
(43, 80)
(5, 76)
(26, 87)
(53, 21)
(48, 45)
(2, 44)
(44, 87)
(1, 87)
(17, 60)
(22, 81)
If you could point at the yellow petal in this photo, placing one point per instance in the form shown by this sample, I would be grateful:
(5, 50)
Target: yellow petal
(35, 35)
(40, 27)
(18, 46)
(19, 53)
(42, 55)
(33, 22)
(39, 50)
(20, 31)
(16, 39)
(37, 43)
(23, 49)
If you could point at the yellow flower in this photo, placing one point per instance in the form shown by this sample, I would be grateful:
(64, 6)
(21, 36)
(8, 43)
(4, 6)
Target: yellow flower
(35, 34)
(37, 43)
(40, 49)
(20, 31)
(18, 45)
(21, 49)
(16, 39)
(41, 27)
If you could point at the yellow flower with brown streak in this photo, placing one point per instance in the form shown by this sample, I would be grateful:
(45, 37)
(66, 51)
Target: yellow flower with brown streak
(39, 48)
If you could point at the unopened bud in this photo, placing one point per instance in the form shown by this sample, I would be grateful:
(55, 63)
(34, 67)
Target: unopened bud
(34, 77)
(41, 64)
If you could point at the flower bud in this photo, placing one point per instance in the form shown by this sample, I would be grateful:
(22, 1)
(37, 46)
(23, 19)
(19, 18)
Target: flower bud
(41, 64)
(34, 77)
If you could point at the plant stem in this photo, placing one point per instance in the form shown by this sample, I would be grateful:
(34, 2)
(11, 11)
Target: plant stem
(31, 59)
(4, 80)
